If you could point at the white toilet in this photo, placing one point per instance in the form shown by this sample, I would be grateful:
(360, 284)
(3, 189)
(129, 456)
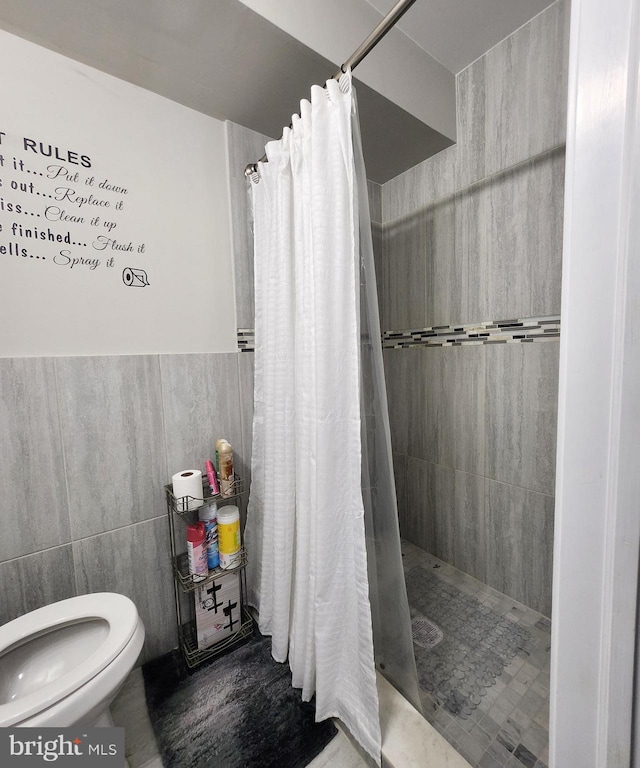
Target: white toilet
(64, 663)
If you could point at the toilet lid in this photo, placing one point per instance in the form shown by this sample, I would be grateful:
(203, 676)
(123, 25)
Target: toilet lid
(117, 610)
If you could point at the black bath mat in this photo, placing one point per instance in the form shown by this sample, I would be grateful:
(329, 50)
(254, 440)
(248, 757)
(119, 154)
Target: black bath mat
(477, 643)
(239, 711)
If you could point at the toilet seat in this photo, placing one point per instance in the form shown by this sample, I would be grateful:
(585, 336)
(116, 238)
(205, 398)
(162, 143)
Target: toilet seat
(121, 616)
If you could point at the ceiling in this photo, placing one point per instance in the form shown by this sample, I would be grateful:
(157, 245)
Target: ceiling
(222, 58)
(457, 32)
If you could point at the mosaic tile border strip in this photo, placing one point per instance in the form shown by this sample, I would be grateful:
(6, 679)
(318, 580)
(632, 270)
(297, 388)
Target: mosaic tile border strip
(526, 330)
(246, 339)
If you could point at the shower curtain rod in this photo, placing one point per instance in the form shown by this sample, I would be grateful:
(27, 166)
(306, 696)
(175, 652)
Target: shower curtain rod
(389, 21)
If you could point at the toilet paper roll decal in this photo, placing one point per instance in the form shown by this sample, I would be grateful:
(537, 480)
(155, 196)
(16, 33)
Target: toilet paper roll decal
(135, 278)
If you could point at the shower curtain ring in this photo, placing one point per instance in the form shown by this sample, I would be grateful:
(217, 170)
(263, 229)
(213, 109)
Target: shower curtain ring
(251, 173)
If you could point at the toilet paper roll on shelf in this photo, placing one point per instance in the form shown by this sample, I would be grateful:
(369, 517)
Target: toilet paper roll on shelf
(187, 489)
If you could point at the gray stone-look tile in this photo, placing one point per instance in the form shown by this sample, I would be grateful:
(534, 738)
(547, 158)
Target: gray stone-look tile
(471, 748)
(536, 738)
(468, 523)
(435, 177)
(397, 365)
(510, 226)
(419, 186)
(244, 146)
(246, 373)
(242, 238)
(134, 561)
(526, 758)
(524, 240)
(35, 580)
(488, 761)
(521, 414)
(377, 238)
(444, 514)
(201, 404)
(489, 726)
(471, 255)
(519, 534)
(406, 398)
(453, 425)
(429, 508)
(401, 195)
(375, 201)
(111, 419)
(526, 90)
(32, 466)
(545, 268)
(443, 274)
(470, 108)
(405, 272)
(400, 479)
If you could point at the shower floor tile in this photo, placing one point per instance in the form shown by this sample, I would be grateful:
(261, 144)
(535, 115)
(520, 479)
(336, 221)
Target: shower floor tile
(505, 723)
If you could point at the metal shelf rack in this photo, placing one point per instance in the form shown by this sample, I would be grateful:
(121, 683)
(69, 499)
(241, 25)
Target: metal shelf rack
(185, 584)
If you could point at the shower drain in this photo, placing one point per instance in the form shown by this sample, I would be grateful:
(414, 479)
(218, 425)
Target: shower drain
(425, 633)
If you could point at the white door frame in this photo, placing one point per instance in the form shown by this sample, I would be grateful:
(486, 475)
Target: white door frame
(598, 467)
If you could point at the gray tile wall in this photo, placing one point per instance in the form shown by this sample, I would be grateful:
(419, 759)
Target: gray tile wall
(526, 90)
(436, 404)
(110, 411)
(87, 444)
(32, 465)
(471, 234)
(475, 232)
(473, 431)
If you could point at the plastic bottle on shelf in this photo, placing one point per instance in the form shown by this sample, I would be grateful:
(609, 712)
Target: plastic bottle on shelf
(229, 537)
(197, 551)
(211, 476)
(219, 442)
(225, 459)
(209, 516)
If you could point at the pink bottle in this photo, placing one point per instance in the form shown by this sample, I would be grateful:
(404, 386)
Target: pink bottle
(197, 551)
(213, 480)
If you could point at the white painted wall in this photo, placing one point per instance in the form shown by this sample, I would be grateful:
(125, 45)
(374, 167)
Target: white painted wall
(398, 68)
(598, 477)
(69, 134)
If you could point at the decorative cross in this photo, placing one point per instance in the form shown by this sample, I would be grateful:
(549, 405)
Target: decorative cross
(227, 612)
(213, 590)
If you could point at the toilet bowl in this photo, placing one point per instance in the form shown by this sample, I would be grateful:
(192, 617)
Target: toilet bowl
(63, 664)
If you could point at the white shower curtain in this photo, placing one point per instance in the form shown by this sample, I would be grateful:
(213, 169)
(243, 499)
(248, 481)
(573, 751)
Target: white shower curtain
(305, 533)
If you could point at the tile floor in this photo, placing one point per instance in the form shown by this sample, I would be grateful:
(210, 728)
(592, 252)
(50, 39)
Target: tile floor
(508, 729)
(510, 726)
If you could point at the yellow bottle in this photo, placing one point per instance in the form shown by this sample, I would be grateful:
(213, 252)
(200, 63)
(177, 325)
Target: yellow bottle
(229, 537)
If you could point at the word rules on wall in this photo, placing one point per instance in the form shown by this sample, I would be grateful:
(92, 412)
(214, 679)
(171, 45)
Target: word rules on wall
(54, 208)
(114, 215)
